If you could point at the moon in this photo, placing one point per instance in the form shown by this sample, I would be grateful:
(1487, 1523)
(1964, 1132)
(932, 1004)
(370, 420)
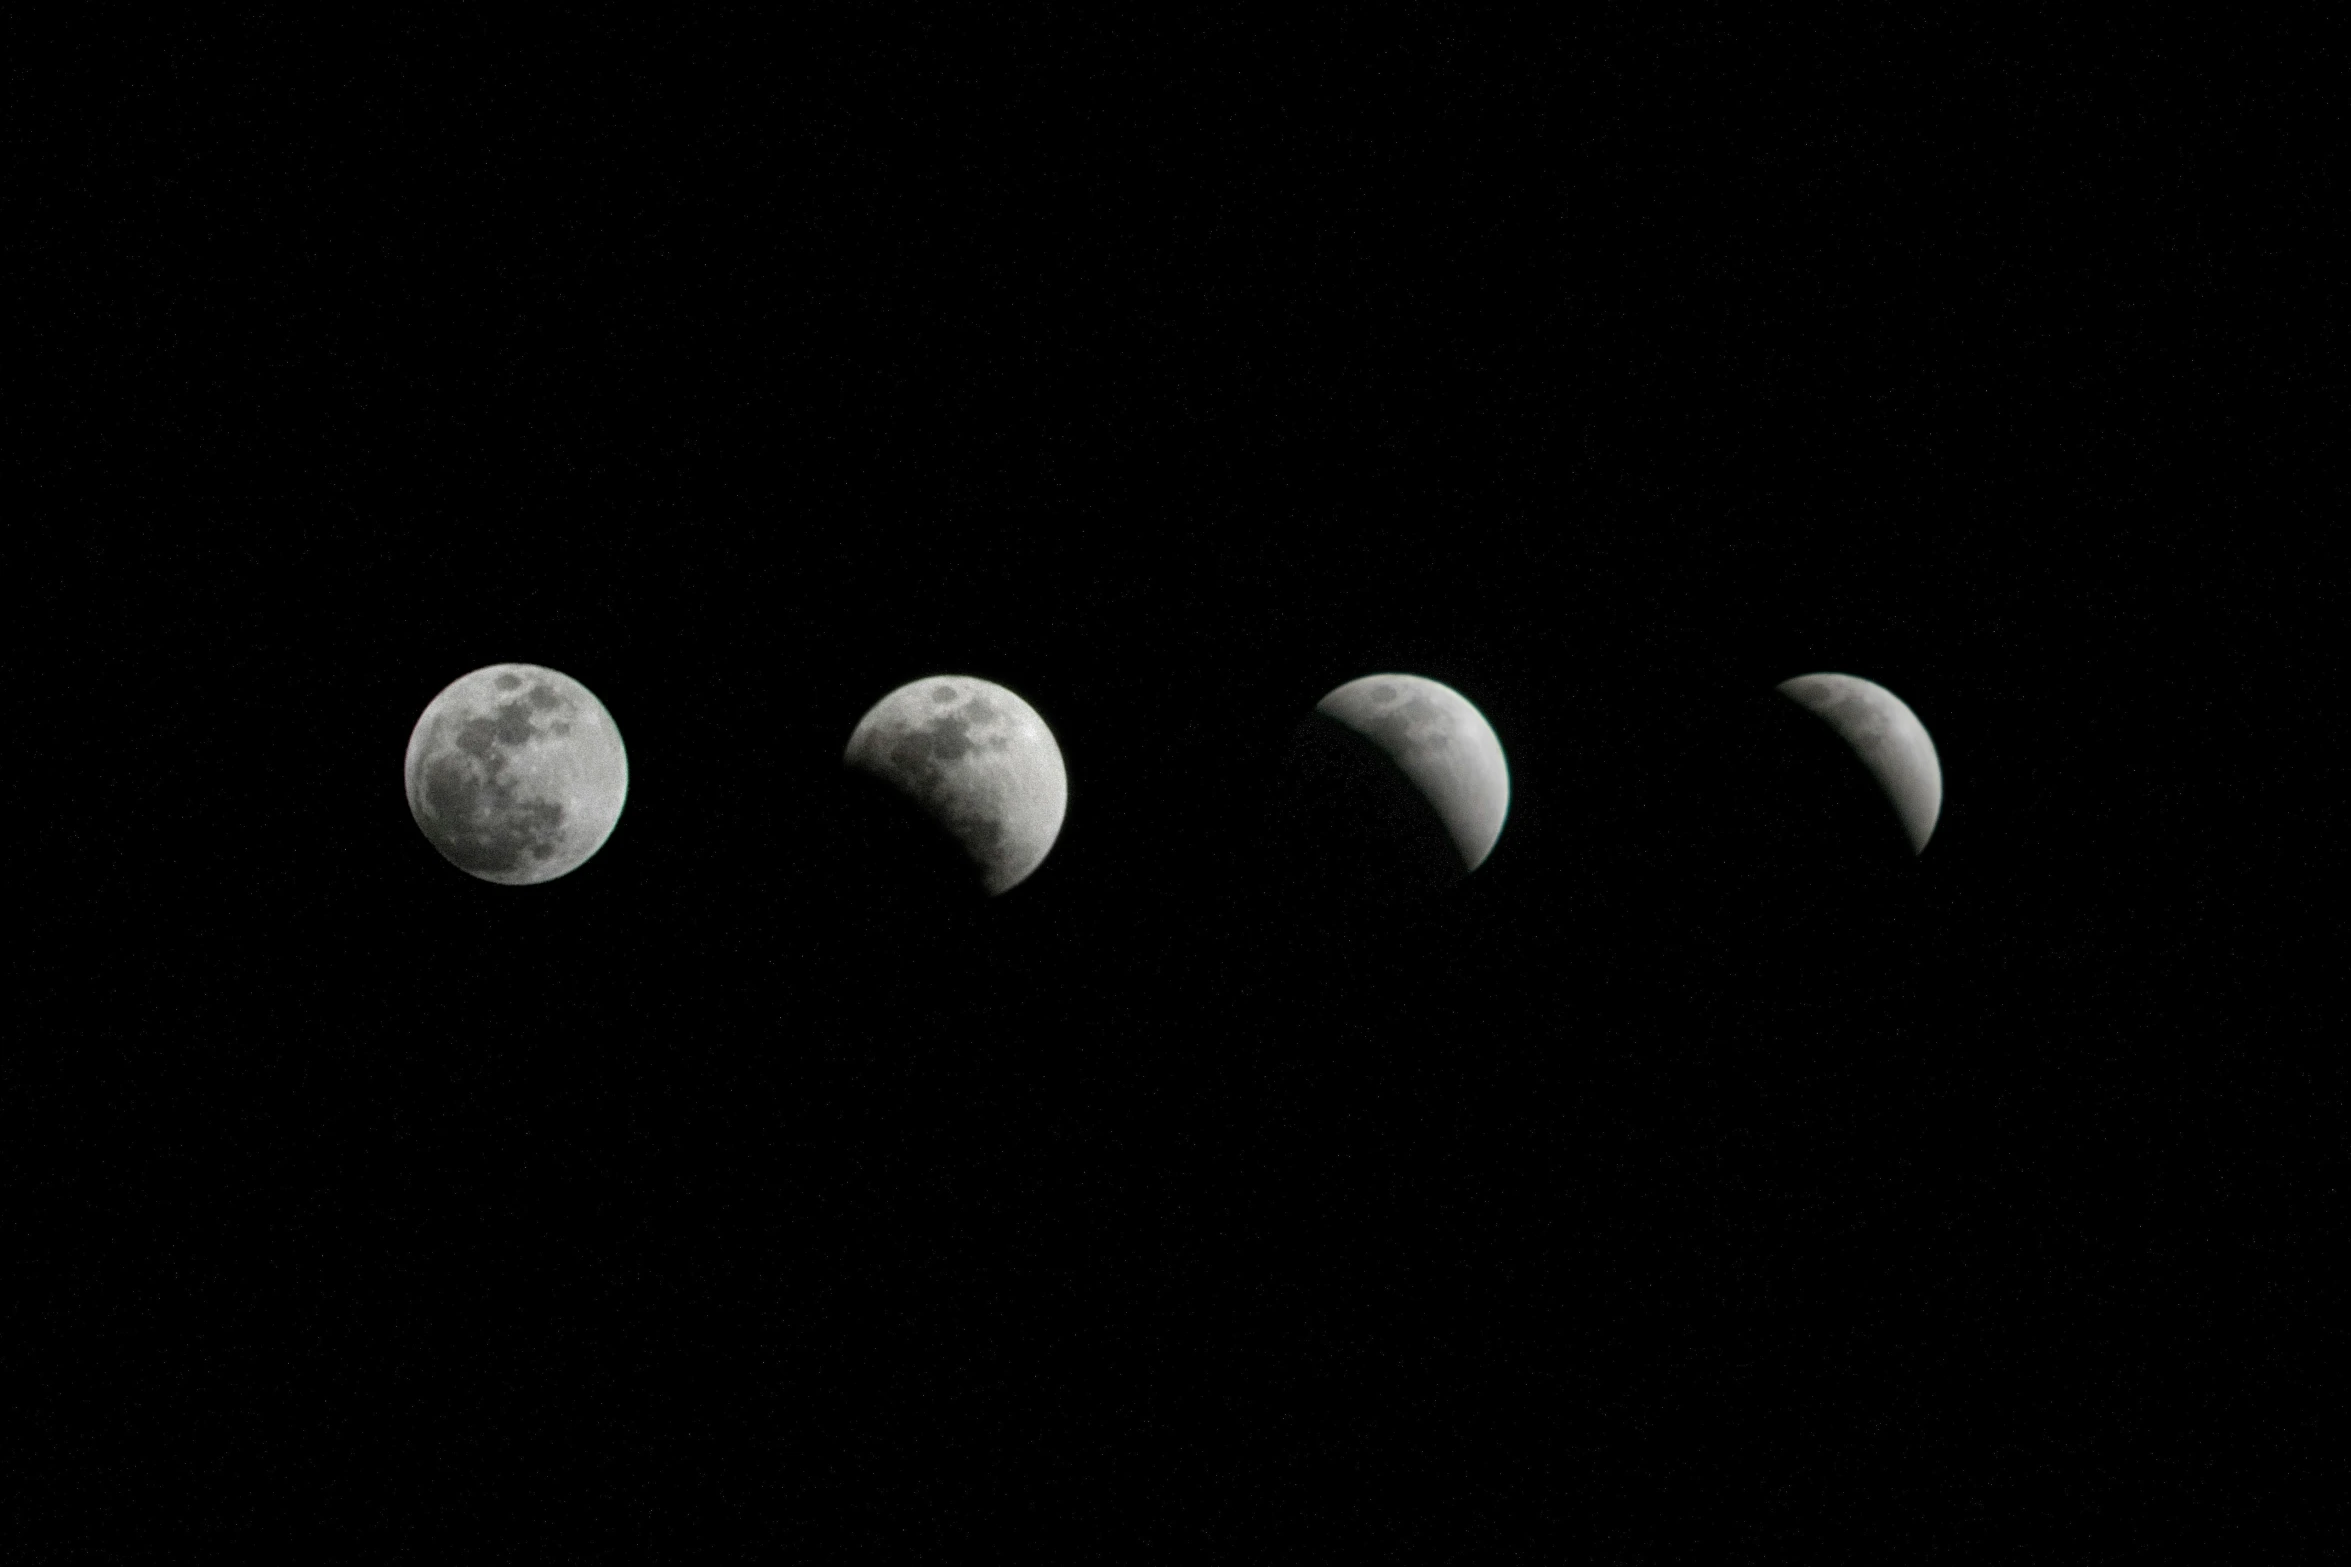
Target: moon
(1887, 737)
(1442, 743)
(516, 774)
(979, 760)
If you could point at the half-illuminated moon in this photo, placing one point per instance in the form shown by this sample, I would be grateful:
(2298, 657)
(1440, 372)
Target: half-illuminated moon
(516, 774)
(979, 760)
(1887, 737)
(1442, 743)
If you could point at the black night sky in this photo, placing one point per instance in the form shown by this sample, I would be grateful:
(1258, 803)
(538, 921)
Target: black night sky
(1704, 1179)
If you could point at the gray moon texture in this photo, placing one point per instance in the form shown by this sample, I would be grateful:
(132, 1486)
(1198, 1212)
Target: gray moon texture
(1887, 737)
(979, 760)
(1442, 743)
(516, 774)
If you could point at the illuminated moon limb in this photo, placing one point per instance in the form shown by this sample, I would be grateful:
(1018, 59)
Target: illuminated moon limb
(1442, 743)
(1887, 737)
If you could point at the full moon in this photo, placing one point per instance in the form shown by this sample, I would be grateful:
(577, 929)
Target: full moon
(516, 774)
(1440, 742)
(1887, 737)
(979, 760)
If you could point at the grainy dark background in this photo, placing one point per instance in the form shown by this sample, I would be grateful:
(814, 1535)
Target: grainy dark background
(1700, 1180)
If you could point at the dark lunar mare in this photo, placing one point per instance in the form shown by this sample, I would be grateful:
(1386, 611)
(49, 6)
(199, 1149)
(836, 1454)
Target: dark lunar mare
(919, 761)
(514, 830)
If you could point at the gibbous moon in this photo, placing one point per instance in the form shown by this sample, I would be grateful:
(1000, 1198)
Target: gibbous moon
(516, 774)
(979, 760)
(1887, 737)
(1442, 743)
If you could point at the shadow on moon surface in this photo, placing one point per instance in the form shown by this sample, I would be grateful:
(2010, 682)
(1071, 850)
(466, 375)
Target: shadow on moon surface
(1776, 844)
(1806, 795)
(1346, 825)
(893, 860)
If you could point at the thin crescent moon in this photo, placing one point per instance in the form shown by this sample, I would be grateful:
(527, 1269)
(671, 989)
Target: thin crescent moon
(1888, 738)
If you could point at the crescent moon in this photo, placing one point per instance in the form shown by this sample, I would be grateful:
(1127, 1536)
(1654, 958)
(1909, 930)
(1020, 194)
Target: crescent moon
(1442, 743)
(979, 760)
(1887, 737)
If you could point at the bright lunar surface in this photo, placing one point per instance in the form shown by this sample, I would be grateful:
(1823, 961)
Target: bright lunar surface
(1442, 743)
(516, 773)
(979, 760)
(1887, 737)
